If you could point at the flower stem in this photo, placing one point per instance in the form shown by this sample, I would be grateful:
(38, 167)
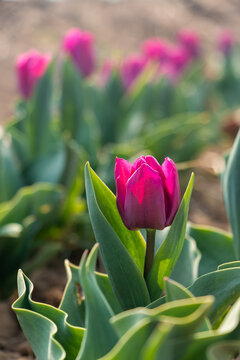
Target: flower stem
(149, 251)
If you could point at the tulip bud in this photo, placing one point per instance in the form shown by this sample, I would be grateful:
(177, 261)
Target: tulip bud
(226, 42)
(156, 50)
(30, 67)
(79, 45)
(148, 195)
(190, 41)
(131, 69)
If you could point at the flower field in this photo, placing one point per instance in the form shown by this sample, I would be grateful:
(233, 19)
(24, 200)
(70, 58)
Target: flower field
(134, 157)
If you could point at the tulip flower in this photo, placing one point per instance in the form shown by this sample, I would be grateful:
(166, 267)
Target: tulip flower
(148, 195)
(30, 67)
(190, 41)
(226, 42)
(177, 63)
(79, 45)
(156, 50)
(131, 69)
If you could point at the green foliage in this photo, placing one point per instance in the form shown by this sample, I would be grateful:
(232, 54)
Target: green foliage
(180, 329)
(231, 192)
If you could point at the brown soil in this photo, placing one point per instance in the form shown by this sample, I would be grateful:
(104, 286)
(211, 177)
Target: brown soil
(118, 28)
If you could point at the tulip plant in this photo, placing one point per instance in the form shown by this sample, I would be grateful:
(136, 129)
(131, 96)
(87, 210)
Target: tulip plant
(185, 306)
(157, 101)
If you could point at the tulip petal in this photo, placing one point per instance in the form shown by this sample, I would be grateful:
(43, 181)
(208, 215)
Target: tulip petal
(172, 188)
(144, 202)
(151, 161)
(122, 174)
(137, 163)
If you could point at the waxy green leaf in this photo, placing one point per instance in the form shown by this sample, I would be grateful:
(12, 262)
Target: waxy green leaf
(168, 253)
(122, 250)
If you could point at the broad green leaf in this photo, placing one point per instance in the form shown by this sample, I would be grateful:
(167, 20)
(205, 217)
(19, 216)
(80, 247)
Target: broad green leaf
(120, 248)
(168, 253)
(136, 326)
(100, 336)
(186, 269)
(73, 301)
(228, 329)
(130, 345)
(10, 179)
(41, 200)
(216, 247)
(231, 192)
(232, 264)
(45, 326)
(224, 285)
(40, 115)
(176, 310)
(175, 291)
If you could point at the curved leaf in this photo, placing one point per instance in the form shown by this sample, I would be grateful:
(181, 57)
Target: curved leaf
(119, 247)
(168, 253)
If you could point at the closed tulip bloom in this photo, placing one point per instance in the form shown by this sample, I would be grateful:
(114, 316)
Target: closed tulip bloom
(131, 69)
(156, 50)
(189, 39)
(80, 46)
(148, 194)
(30, 66)
(226, 42)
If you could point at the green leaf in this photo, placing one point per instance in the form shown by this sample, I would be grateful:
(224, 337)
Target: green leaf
(100, 336)
(178, 319)
(122, 250)
(45, 326)
(186, 268)
(224, 285)
(10, 179)
(175, 291)
(40, 115)
(231, 192)
(232, 264)
(216, 247)
(168, 253)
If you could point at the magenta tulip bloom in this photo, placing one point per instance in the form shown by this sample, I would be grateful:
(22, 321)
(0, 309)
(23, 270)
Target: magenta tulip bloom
(156, 50)
(148, 195)
(30, 67)
(189, 39)
(80, 46)
(131, 69)
(226, 42)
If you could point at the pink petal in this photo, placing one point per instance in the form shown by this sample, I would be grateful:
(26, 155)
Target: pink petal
(137, 163)
(151, 161)
(172, 189)
(144, 202)
(122, 174)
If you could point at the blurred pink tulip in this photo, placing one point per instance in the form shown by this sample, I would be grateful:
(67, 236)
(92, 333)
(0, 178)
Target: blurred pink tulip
(177, 63)
(80, 46)
(156, 50)
(30, 66)
(190, 40)
(106, 71)
(131, 69)
(225, 42)
(148, 195)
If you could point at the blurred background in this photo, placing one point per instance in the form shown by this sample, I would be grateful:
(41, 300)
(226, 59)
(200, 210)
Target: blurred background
(119, 27)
